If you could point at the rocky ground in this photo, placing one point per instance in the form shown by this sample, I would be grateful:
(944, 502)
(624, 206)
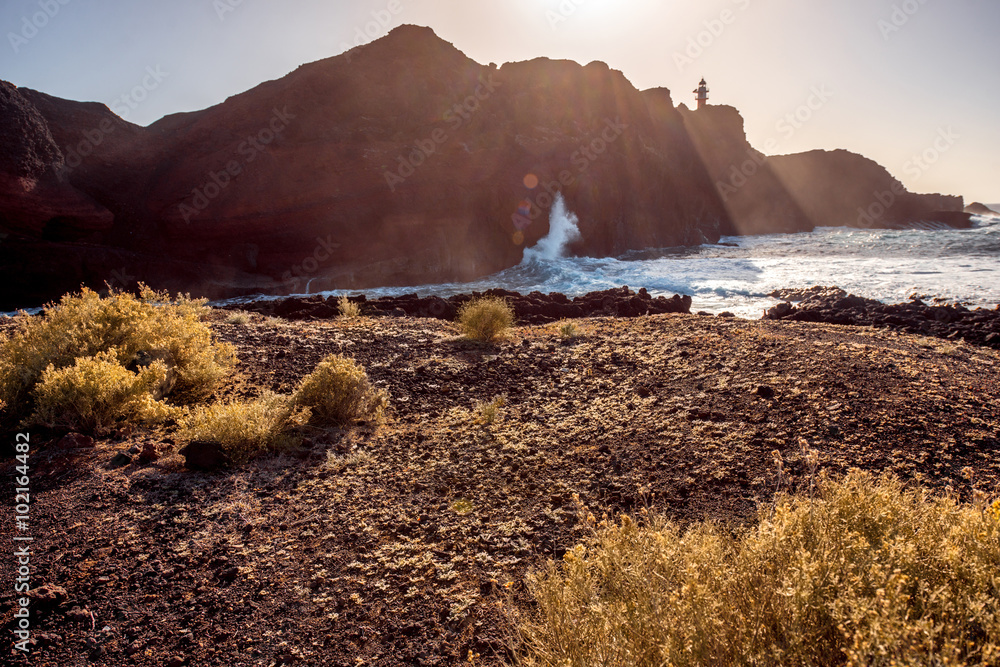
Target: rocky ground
(398, 545)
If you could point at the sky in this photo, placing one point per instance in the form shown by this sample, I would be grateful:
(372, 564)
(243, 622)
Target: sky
(912, 84)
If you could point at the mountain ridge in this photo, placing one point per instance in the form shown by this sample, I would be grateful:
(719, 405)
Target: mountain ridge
(400, 162)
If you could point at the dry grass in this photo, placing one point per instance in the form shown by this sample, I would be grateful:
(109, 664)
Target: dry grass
(349, 310)
(866, 573)
(487, 319)
(338, 392)
(488, 412)
(245, 429)
(136, 330)
(568, 330)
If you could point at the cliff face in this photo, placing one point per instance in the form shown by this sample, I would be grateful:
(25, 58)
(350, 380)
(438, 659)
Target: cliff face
(795, 193)
(403, 162)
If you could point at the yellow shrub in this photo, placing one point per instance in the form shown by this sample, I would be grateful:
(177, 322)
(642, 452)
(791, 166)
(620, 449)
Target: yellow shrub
(95, 392)
(244, 429)
(569, 330)
(488, 412)
(338, 392)
(349, 310)
(485, 319)
(866, 573)
(84, 325)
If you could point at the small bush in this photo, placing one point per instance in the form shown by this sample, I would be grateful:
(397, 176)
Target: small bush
(237, 318)
(338, 392)
(349, 310)
(85, 325)
(568, 330)
(486, 319)
(96, 392)
(866, 573)
(244, 429)
(488, 411)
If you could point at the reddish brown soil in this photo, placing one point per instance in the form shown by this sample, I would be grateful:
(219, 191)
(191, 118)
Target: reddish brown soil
(395, 545)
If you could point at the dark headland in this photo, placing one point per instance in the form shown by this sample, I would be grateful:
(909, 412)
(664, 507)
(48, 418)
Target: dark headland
(401, 162)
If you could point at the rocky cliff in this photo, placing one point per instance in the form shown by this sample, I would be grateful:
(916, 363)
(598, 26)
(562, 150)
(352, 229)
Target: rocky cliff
(399, 163)
(402, 162)
(795, 193)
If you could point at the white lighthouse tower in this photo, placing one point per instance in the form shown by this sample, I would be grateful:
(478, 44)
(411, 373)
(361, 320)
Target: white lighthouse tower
(702, 93)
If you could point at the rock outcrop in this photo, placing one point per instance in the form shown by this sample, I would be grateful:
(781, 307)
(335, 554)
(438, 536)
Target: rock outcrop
(943, 320)
(975, 208)
(533, 308)
(799, 192)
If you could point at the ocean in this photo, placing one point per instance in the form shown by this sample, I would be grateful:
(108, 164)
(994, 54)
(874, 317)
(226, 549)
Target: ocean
(737, 274)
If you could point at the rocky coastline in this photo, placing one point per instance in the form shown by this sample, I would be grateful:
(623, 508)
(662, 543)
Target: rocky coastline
(830, 305)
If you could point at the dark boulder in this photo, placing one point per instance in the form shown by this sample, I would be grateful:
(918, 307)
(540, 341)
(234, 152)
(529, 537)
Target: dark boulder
(204, 455)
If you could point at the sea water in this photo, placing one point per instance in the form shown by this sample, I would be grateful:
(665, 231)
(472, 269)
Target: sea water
(738, 273)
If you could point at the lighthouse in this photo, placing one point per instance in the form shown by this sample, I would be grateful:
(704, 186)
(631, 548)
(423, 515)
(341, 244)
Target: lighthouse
(702, 93)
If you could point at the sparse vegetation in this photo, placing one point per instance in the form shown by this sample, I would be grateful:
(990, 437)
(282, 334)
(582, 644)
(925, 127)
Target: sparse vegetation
(244, 429)
(349, 310)
(867, 572)
(461, 506)
(335, 394)
(133, 333)
(240, 318)
(338, 392)
(486, 319)
(569, 330)
(488, 411)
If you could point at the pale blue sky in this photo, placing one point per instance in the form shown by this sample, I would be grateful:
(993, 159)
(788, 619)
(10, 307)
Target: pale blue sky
(892, 79)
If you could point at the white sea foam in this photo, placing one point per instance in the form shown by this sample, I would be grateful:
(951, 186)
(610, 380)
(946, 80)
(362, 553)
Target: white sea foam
(563, 230)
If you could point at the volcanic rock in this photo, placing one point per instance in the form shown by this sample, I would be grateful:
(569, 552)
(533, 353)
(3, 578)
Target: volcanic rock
(975, 208)
(202, 455)
(534, 308)
(832, 306)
